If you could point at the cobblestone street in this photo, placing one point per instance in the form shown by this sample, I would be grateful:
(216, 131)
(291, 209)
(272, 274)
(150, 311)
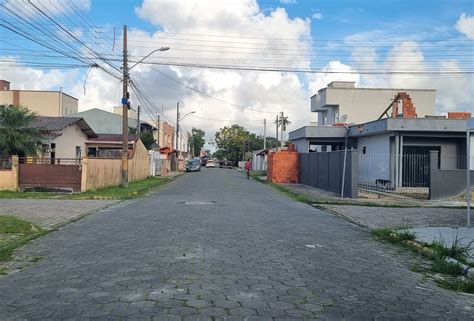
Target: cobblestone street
(216, 246)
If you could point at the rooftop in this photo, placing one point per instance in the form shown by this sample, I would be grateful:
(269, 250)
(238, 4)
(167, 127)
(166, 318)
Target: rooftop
(55, 124)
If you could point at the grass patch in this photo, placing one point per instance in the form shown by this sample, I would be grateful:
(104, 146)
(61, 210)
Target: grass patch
(440, 265)
(11, 224)
(439, 253)
(456, 250)
(3, 271)
(23, 230)
(134, 190)
(466, 286)
(33, 195)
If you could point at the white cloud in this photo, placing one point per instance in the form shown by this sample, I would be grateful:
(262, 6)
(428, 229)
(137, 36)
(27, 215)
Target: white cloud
(249, 38)
(344, 73)
(289, 1)
(465, 25)
(454, 93)
(22, 77)
(317, 15)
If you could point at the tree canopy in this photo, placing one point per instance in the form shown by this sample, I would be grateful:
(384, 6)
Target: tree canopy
(230, 142)
(197, 140)
(17, 135)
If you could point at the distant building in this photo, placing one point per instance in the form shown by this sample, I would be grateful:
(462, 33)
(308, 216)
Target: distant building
(360, 105)
(131, 112)
(104, 122)
(42, 102)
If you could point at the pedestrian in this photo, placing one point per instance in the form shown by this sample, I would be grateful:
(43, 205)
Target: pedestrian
(248, 166)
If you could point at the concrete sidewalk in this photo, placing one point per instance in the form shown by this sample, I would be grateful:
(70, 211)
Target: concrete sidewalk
(377, 217)
(50, 213)
(447, 235)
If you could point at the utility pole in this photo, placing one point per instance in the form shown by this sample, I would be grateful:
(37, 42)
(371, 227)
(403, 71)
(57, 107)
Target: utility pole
(177, 124)
(158, 131)
(282, 127)
(125, 104)
(138, 119)
(264, 134)
(276, 122)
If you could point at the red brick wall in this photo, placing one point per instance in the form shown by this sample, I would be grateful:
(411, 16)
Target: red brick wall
(459, 115)
(283, 166)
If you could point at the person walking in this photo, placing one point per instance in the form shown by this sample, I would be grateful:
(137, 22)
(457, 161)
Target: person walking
(248, 166)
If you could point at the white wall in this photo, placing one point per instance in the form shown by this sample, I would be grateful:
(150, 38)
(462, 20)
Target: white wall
(71, 137)
(363, 105)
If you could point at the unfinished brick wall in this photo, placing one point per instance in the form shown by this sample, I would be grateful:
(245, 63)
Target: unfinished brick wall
(459, 115)
(283, 166)
(408, 109)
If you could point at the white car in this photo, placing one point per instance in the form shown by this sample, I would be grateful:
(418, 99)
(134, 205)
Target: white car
(210, 163)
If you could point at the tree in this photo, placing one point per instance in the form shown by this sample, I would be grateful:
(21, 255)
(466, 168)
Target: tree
(147, 139)
(197, 140)
(283, 122)
(230, 141)
(17, 133)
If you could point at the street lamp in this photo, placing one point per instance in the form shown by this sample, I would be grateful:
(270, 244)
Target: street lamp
(125, 103)
(141, 60)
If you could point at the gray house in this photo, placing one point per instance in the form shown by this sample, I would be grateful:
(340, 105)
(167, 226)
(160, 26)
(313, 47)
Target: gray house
(104, 122)
(394, 152)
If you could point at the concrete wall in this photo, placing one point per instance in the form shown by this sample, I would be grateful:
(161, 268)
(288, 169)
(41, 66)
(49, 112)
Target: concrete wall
(301, 145)
(9, 177)
(103, 172)
(324, 171)
(69, 105)
(366, 104)
(446, 183)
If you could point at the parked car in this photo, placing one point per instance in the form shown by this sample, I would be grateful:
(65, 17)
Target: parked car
(210, 163)
(204, 160)
(194, 165)
(225, 164)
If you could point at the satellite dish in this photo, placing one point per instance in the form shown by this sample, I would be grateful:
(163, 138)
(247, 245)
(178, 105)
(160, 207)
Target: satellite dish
(343, 118)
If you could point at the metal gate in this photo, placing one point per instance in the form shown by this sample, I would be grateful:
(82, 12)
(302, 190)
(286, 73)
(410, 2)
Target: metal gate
(50, 174)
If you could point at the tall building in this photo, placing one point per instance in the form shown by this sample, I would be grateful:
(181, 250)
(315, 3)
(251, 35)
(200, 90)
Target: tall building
(42, 102)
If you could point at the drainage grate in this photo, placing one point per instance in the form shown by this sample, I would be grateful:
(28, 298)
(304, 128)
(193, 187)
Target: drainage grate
(197, 202)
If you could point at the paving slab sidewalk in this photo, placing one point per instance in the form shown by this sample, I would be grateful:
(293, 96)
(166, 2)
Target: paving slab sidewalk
(377, 217)
(50, 213)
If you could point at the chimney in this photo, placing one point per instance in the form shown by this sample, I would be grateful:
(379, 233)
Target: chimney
(4, 85)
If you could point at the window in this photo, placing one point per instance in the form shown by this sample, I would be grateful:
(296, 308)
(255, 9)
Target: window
(78, 152)
(325, 120)
(336, 117)
(364, 150)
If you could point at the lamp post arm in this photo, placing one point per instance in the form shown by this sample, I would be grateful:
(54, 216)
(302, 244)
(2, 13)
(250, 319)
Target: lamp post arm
(141, 60)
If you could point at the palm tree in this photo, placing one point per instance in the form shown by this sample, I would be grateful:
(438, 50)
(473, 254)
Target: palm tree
(283, 122)
(17, 135)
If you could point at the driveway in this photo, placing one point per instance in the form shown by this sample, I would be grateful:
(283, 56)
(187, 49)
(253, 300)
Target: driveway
(214, 245)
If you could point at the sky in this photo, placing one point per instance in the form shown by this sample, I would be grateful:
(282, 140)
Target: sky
(368, 42)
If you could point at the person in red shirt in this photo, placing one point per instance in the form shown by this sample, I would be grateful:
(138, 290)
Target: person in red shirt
(248, 166)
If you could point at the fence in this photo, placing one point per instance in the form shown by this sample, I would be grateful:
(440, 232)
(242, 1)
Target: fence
(324, 170)
(50, 174)
(394, 175)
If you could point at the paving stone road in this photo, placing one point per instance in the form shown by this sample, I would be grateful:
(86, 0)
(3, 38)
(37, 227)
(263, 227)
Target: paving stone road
(216, 246)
